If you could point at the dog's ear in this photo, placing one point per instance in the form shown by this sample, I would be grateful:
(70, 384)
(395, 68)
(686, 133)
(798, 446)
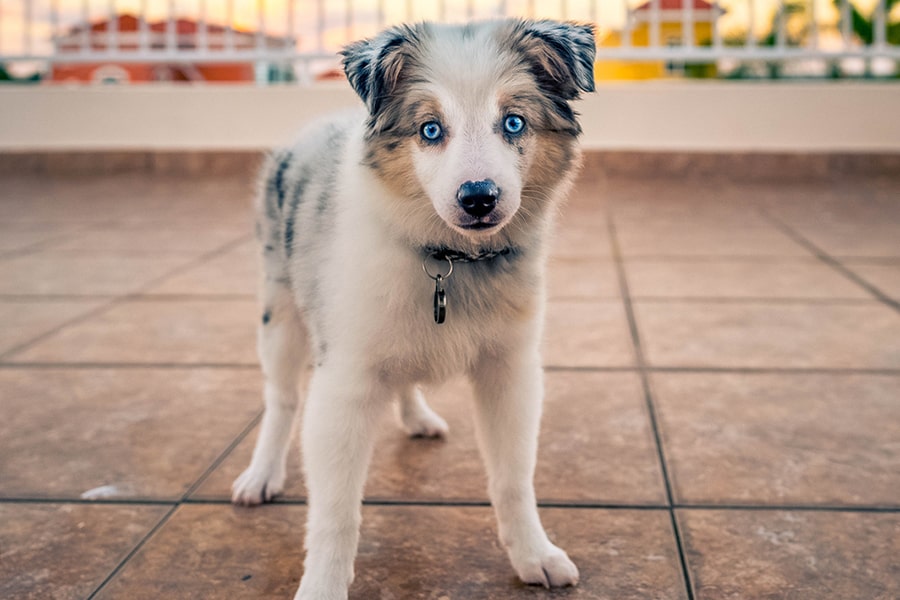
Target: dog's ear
(561, 54)
(374, 66)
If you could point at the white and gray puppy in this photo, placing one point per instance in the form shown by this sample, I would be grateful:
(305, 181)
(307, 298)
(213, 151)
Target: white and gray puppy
(466, 149)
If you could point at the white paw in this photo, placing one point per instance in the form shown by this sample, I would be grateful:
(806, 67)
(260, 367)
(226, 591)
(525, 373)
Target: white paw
(257, 485)
(309, 591)
(419, 420)
(551, 568)
(425, 423)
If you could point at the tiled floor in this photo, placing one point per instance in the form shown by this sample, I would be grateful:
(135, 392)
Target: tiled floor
(722, 416)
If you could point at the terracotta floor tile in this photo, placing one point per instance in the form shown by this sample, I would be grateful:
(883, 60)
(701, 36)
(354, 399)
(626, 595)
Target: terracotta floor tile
(22, 321)
(584, 279)
(253, 553)
(798, 439)
(587, 334)
(886, 277)
(741, 438)
(12, 240)
(705, 239)
(54, 273)
(587, 240)
(126, 198)
(798, 555)
(596, 446)
(132, 433)
(716, 278)
(64, 551)
(769, 335)
(849, 232)
(115, 242)
(145, 331)
(620, 554)
(234, 272)
(218, 552)
(668, 218)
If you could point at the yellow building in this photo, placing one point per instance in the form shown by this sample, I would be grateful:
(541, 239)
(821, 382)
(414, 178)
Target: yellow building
(639, 32)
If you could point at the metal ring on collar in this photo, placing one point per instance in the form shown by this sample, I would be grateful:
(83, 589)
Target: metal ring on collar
(435, 277)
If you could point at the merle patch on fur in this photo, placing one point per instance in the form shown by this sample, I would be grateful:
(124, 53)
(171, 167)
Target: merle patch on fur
(279, 177)
(296, 199)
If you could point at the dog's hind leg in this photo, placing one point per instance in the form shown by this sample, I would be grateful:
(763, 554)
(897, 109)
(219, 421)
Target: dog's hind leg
(508, 393)
(418, 419)
(283, 350)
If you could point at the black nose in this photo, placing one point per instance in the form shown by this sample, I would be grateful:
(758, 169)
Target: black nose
(478, 198)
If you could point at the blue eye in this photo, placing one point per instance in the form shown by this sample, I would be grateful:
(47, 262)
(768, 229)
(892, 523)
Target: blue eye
(514, 124)
(431, 131)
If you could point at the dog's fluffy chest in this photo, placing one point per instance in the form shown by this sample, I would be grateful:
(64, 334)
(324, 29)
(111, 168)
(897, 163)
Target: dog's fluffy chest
(393, 330)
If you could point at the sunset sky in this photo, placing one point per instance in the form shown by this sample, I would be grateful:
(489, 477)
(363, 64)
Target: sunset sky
(609, 14)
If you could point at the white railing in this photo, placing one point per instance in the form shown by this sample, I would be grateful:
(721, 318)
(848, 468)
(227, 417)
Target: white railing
(305, 34)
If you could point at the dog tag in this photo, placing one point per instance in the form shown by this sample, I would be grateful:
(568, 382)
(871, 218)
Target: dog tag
(440, 300)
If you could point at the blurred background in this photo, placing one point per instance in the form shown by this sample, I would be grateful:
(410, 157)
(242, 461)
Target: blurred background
(236, 56)
(270, 41)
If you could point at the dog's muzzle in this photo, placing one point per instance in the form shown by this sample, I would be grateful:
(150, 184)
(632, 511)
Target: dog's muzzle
(478, 198)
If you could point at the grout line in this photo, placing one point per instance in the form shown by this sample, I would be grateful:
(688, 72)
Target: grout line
(436, 502)
(725, 258)
(775, 370)
(120, 299)
(159, 525)
(582, 369)
(183, 500)
(883, 261)
(128, 297)
(36, 247)
(575, 299)
(793, 507)
(55, 297)
(723, 370)
(135, 365)
(839, 371)
(830, 260)
(222, 456)
(195, 297)
(108, 501)
(648, 399)
(749, 300)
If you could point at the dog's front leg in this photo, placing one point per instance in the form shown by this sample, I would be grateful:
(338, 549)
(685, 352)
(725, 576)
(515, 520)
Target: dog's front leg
(338, 431)
(508, 395)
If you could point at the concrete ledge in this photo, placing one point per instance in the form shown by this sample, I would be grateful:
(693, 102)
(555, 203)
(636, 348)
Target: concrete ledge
(671, 116)
(744, 166)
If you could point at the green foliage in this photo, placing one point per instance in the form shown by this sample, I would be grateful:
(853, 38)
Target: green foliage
(701, 70)
(864, 28)
(6, 76)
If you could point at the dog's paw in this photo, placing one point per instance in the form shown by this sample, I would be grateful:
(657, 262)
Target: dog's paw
(417, 417)
(551, 568)
(310, 591)
(255, 486)
(426, 423)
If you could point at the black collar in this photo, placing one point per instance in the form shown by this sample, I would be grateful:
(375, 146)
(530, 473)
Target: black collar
(444, 253)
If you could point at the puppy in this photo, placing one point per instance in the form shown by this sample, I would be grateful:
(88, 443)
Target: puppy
(406, 244)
